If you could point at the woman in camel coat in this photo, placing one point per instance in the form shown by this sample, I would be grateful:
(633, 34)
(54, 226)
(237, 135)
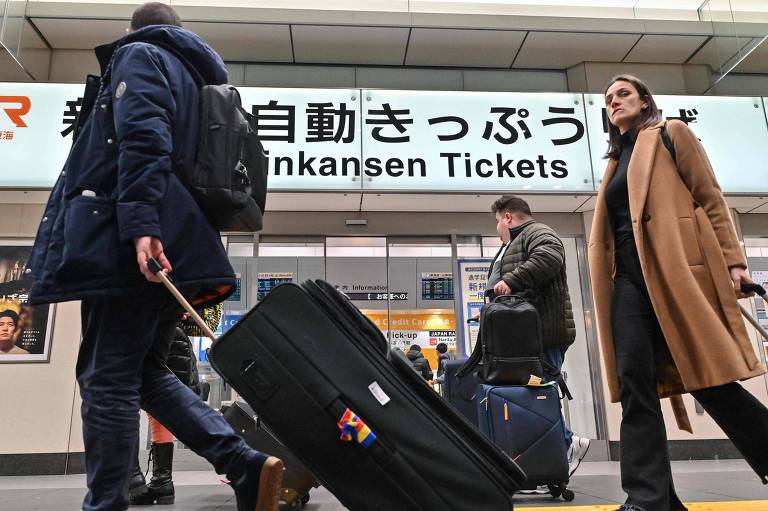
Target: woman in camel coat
(666, 269)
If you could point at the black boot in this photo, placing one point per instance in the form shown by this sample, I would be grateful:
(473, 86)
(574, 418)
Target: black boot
(138, 492)
(161, 485)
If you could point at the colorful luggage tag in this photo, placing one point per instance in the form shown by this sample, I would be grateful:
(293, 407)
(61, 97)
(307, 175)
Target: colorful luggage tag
(353, 428)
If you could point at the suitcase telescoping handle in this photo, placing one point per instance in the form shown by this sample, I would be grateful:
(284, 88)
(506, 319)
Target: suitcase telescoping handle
(760, 290)
(754, 288)
(155, 268)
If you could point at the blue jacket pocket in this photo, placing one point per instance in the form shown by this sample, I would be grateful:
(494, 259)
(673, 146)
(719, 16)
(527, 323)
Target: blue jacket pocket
(91, 245)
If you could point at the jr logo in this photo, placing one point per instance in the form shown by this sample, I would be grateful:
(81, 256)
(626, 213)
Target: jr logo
(19, 107)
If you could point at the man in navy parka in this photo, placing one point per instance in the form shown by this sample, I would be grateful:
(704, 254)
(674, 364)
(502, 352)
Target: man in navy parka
(118, 202)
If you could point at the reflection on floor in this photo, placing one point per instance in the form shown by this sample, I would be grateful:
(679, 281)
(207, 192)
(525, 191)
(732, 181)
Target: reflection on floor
(706, 485)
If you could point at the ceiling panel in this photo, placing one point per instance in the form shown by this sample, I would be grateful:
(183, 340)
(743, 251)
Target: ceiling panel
(588, 205)
(761, 209)
(719, 50)
(30, 39)
(470, 203)
(755, 62)
(349, 45)
(246, 42)
(78, 34)
(463, 48)
(745, 204)
(277, 201)
(666, 49)
(560, 50)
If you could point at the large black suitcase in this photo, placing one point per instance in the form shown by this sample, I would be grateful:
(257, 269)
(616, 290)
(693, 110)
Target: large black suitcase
(310, 364)
(297, 480)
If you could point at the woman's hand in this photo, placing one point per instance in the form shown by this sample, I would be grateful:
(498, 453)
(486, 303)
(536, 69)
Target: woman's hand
(740, 276)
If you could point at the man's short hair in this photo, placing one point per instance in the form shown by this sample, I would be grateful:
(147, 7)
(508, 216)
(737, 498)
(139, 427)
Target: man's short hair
(154, 13)
(442, 347)
(511, 204)
(415, 347)
(10, 314)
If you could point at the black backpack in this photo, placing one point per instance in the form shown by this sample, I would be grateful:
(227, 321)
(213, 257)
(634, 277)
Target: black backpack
(509, 344)
(229, 180)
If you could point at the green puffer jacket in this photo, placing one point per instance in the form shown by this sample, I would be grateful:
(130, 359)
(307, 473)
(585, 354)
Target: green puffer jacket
(535, 262)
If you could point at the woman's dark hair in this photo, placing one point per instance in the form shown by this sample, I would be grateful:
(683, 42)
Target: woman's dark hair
(647, 117)
(154, 13)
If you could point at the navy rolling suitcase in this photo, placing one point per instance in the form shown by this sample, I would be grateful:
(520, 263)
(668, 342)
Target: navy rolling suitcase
(354, 412)
(525, 421)
(461, 391)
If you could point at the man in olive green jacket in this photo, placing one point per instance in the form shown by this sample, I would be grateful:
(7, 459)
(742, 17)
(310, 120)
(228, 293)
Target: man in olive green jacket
(531, 262)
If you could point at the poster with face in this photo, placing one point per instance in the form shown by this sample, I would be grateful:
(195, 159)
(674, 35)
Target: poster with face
(25, 330)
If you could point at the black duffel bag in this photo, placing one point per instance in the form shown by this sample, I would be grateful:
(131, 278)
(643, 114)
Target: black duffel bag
(509, 345)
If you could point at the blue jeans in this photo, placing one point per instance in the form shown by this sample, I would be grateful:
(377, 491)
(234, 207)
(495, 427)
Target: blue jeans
(555, 357)
(121, 367)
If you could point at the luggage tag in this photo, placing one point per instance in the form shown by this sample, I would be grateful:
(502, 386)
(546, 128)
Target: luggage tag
(353, 429)
(534, 381)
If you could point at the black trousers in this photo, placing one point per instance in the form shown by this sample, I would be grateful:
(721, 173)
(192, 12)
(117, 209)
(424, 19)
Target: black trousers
(646, 475)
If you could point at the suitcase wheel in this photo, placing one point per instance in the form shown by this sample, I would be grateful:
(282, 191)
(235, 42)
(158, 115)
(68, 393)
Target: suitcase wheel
(555, 491)
(568, 495)
(291, 498)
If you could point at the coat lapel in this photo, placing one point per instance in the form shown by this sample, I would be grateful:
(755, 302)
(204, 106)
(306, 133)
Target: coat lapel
(640, 170)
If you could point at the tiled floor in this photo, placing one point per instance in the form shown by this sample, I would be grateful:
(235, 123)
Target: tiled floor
(723, 485)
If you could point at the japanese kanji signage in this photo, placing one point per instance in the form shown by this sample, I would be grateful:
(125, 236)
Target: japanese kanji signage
(379, 140)
(312, 136)
(34, 132)
(473, 276)
(442, 141)
(733, 131)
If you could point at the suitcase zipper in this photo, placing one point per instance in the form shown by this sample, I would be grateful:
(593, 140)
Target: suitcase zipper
(506, 412)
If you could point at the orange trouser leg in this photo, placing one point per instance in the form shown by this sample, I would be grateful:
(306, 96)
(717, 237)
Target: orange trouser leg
(160, 434)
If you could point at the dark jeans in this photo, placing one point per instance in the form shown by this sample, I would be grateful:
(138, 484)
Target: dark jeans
(556, 357)
(121, 367)
(646, 475)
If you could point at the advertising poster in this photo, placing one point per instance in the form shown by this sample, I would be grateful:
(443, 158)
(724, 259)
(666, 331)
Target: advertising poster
(425, 327)
(473, 276)
(24, 330)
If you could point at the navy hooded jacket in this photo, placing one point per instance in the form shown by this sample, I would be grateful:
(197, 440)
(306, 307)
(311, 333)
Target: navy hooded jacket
(140, 134)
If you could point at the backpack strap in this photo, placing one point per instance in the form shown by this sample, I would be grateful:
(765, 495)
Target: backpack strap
(667, 140)
(199, 80)
(474, 360)
(557, 376)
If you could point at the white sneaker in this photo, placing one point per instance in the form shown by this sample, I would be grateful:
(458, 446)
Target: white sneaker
(576, 452)
(540, 490)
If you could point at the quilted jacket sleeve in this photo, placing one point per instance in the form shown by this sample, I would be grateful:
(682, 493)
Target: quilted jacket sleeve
(546, 257)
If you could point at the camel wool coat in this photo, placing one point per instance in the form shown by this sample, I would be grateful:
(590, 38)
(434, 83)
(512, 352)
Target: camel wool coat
(686, 242)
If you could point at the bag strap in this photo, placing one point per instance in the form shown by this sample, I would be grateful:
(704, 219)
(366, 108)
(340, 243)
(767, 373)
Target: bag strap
(474, 360)
(667, 140)
(558, 377)
(199, 80)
